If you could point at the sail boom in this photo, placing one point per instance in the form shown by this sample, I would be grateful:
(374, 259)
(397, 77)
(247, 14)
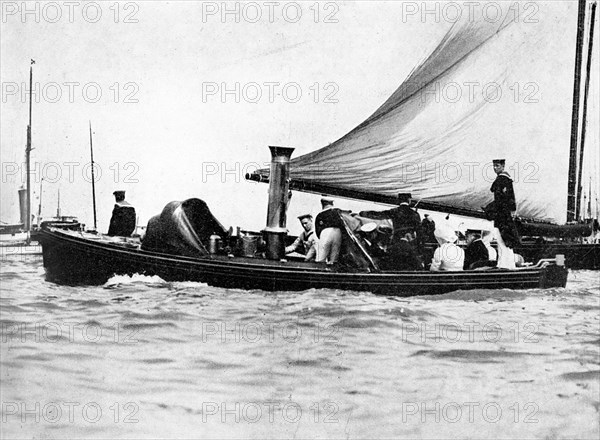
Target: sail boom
(319, 188)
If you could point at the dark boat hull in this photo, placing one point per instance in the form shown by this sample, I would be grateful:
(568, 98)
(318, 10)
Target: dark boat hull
(577, 255)
(69, 259)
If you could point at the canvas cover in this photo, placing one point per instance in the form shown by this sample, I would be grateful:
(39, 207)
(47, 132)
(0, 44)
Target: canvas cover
(183, 228)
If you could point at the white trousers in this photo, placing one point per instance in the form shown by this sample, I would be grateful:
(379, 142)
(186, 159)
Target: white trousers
(506, 256)
(330, 243)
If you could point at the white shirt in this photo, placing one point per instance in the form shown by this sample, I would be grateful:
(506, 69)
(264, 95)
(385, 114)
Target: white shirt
(448, 257)
(492, 254)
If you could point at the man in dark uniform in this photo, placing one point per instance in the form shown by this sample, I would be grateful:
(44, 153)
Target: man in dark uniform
(328, 226)
(476, 253)
(501, 212)
(404, 218)
(122, 222)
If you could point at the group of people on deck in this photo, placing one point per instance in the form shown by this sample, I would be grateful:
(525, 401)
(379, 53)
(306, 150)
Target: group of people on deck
(323, 240)
(399, 247)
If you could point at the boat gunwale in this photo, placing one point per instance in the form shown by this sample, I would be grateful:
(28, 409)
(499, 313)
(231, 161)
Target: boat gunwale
(329, 275)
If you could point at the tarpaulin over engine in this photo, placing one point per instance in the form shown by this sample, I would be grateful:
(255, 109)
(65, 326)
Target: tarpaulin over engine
(183, 228)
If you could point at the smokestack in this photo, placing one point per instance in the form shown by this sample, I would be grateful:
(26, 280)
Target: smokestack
(275, 232)
(23, 206)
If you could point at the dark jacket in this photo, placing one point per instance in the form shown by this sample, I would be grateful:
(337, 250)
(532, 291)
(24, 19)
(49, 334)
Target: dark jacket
(404, 219)
(504, 195)
(401, 255)
(476, 255)
(329, 218)
(428, 229)
(504, 204)
(123, 219)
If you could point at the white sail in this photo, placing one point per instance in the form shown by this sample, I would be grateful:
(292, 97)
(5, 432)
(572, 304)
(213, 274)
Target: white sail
(493, 88)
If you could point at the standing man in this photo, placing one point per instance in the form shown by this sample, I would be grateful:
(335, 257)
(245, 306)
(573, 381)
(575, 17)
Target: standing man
(503, 206)
(404, 218)
(308, 239)
(329, 227)
(123, 218)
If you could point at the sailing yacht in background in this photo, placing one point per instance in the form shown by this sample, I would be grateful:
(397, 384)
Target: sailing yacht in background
(18, 234)
(23, 234)
(13, 233)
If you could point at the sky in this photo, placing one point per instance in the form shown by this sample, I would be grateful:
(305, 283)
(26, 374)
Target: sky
(185, 97)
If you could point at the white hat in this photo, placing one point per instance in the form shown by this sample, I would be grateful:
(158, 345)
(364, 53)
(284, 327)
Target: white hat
(368, 227)
(445, 234)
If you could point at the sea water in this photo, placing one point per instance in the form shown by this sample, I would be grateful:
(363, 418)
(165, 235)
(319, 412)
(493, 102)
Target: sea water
(142, 358)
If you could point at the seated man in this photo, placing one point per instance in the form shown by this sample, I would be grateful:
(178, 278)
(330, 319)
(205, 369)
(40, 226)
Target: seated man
(448, 256)
(308, 239)
(375, 239)
(402, 254)
(123, 218)
(476, 253)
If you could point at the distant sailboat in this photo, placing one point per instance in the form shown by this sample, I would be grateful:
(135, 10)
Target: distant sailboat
(15, 231)
(31, 233)
(20, 232)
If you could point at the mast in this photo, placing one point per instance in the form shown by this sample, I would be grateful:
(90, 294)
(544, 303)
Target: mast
(28, 154)
(572, 186)
(590, 199)
(58, 206)
(39, 216)
(588, 69)
(93, 180)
